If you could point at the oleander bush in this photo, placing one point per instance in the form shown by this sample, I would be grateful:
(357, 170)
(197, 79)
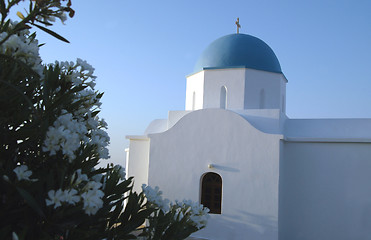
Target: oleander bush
(51, 141)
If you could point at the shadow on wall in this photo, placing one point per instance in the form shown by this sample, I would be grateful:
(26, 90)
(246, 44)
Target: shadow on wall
(264, 124)
(243, 225)
(224, 168)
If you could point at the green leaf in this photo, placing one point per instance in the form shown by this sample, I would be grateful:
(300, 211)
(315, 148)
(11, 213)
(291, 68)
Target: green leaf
(30, 201)
(123, 187)
(2, 7)
(54, 34)
(32, 36)
(21, 94)
(6, 26)
(138, 219)
(116, 213)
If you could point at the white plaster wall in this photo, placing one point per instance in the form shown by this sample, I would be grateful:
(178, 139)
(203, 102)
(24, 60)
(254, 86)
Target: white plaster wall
(246, 159)
(174, 117)
(195, 83)
(265, 120)
(138, 160)
(156, 126)
(356, 129)
(283, 104)
(325, 191)
(243, 89)
(270, 82)
(232, 79)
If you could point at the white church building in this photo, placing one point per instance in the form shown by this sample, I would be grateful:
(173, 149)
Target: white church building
(263, 175)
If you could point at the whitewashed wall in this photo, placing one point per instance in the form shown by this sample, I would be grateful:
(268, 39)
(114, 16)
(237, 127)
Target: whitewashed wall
(325, 191)
(246, 89)
(138, 161)
(232, 79)
(246, 159)
(195, 87)
(273, 86)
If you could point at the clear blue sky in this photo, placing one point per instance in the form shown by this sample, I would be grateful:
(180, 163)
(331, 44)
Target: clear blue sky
(142, 51)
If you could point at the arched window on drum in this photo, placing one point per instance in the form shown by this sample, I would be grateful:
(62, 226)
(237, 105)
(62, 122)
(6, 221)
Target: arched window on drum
(223, 97)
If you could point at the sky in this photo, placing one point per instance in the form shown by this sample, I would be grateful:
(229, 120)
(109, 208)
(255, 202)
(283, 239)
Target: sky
(143, 50)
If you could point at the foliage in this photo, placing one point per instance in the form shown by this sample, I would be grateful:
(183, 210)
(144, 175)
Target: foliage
(51, 141)
(172, 220)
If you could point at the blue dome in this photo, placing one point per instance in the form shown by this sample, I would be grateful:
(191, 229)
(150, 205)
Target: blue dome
(238, 51)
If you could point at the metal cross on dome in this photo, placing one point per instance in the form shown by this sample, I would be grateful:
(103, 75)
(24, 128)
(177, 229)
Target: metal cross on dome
(238, 25)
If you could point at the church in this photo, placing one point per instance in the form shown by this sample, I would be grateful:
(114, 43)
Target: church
(263, 175)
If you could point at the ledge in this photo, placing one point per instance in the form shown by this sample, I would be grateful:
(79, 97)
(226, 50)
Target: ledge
(328, 140)
(137, 137)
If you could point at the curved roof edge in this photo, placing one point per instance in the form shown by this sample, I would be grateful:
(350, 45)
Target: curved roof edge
(216, 110)
(235, 50)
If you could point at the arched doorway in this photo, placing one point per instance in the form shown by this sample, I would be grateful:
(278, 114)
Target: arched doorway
(211, 192)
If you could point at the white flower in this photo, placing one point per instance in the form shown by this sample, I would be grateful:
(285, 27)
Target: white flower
(55, 197)
(97, 177)
(23, 49)
(66, 135)
(85, 66)
(62, 17)
(121, 171)
(92, 201)
(103, 153)
(196, 213)
(76, 80)
(93, 185)
(23, 173)
(80, 177)
(70, 196)
(93, 122)
(91, 83)
(64, 64)
(101, 139)
(154, 196)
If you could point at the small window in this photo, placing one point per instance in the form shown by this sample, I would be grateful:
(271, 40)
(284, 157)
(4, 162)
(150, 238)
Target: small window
(211, 192)
(194, 101)
(223, 97)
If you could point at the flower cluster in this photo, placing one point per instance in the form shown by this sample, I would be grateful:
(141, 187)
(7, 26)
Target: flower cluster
(79, 72)
(88, 192)
(50, 10)
(23, 48)
(197, 213)
(121, 171)
(70, 129)
(101, 139)
(92, 198)
(91, 192)
(56, 198)
(154, 197)
(88, 127)
(66, 135)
